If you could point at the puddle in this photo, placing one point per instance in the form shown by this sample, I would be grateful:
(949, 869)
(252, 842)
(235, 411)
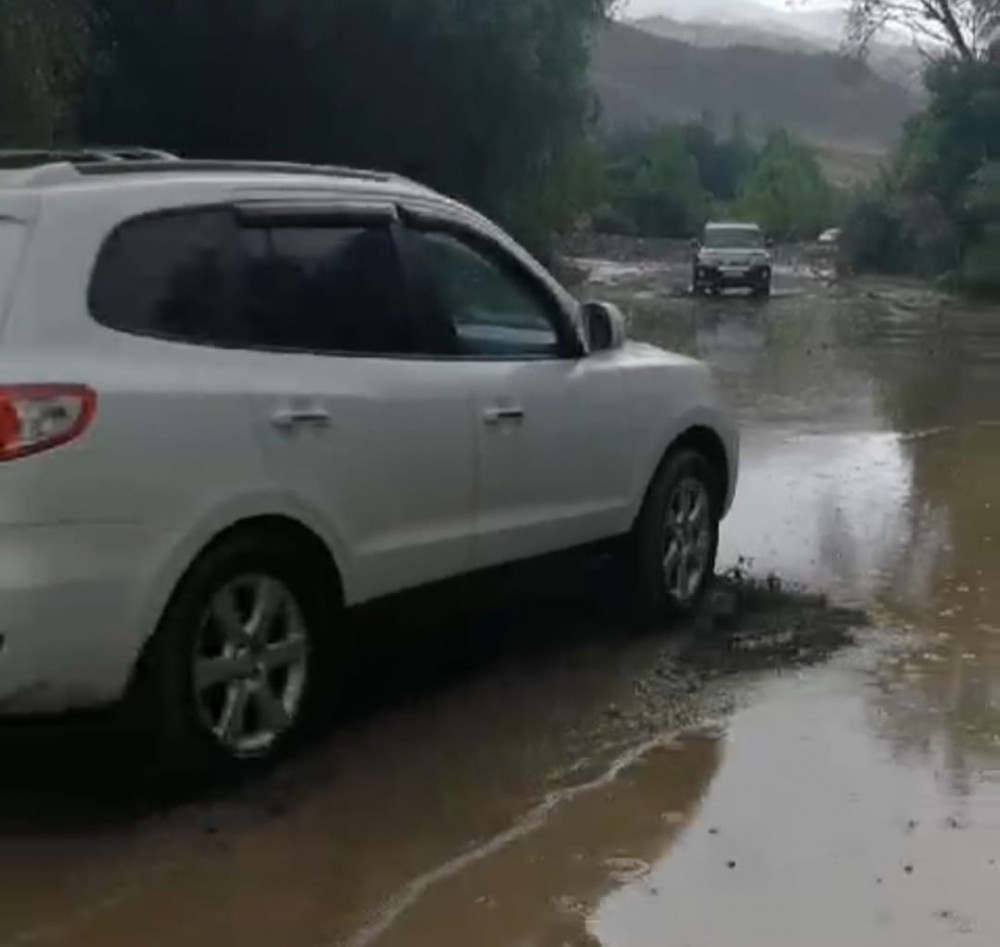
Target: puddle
(777, 775)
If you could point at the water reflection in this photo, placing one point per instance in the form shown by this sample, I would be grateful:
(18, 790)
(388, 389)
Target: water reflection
(872, 471)
(540, 887)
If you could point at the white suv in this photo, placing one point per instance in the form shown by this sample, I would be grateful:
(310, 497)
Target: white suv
(237, 397)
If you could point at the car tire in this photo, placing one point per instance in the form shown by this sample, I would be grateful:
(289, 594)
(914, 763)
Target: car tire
(230, 679)
(675, 540)
(763, 290)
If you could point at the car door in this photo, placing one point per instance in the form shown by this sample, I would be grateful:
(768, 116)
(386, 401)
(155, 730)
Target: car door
(551, 422)
(356, 426)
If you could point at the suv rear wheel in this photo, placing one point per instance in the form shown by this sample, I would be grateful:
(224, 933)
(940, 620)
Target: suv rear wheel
(676, 537)
(230, 677)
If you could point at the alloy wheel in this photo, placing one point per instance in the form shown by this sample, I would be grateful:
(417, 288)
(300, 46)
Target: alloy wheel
(250, 664)
(687, 540)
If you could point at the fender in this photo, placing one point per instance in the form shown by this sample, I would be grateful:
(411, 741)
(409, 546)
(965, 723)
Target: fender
(194, 540)
(671, 395)
(670, 428)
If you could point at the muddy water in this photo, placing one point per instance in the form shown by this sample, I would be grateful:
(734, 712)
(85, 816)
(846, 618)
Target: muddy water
(859, 803)
(531, 774)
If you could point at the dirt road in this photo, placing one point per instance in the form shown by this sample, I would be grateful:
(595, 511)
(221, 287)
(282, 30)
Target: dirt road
(522, 770)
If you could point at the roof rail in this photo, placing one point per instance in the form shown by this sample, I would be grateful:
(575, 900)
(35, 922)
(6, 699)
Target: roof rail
(174, 165)
(19, 158)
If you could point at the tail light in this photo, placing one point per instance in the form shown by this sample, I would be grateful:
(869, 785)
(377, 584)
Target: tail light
(36, 418)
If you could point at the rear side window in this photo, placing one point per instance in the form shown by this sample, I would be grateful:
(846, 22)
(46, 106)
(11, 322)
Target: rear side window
(165, 276)
(11, 243)
(327, 289)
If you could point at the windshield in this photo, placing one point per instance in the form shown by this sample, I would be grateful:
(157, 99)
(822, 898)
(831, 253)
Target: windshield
(743, 238)
(11, 241)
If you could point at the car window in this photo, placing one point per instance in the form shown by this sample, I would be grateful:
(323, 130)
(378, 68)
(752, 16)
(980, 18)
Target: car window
(164, 275)
(323, 289)
(733, 238)
(493, 312)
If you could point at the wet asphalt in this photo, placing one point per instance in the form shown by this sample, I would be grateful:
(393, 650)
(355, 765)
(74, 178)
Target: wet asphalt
(814, 761)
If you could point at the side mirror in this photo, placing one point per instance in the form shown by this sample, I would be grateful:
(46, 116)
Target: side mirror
(605, 326)
(769, 242)
(695, 243)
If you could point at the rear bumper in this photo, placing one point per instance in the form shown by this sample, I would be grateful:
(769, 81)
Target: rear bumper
(69, 601)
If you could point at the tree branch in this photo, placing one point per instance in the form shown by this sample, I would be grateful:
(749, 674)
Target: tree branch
(945, 15)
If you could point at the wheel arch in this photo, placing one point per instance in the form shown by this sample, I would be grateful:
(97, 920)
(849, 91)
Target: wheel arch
(313, 549)
(705, 441)
(159, 691)
(264, 512)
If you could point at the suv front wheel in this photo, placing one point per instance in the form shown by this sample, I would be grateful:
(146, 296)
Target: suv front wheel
(676, 537)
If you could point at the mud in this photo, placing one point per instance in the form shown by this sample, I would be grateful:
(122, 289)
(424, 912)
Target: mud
(813, 760)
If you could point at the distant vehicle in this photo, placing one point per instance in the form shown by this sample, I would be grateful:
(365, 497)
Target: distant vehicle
(831, 237)
(237, 397)
(732, 255)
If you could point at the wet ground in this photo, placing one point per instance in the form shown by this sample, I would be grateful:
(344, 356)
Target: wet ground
(814, 762)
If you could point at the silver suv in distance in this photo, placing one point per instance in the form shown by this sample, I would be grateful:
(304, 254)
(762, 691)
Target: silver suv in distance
(732, 255)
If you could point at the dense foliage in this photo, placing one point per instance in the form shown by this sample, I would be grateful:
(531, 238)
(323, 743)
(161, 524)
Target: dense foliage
(786, 191)
(936, 208)
(485, 99)
(669, 180)
(42, 50)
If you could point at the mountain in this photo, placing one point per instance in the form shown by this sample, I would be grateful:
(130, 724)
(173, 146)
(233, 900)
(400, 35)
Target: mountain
(714, 34)
(823, 25)
(641, 78)
(721, 11)
(720, 25)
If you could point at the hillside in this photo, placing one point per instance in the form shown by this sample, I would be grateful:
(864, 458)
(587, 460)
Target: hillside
(896, 61)
(718, 35)
(641, 78)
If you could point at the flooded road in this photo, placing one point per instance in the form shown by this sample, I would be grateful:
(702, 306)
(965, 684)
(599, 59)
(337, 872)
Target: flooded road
(525, 771)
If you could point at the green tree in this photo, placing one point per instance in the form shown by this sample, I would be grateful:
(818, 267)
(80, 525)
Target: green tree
(981, 261)
(654, 185)
(957, 131)
(787, 193)
(665, 180)
(42, 49)
(722, 165)
(930, 216)
(484, 99)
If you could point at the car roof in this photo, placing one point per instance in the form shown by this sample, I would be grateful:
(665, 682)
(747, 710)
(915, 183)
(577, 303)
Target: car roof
(734, 225)
(102, 168)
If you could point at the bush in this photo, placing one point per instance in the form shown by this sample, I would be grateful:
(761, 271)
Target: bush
(903, 234)
(980, 270)
(653, 186)
(666, 181)
(786, 191)
(980, 274)
(936, 212)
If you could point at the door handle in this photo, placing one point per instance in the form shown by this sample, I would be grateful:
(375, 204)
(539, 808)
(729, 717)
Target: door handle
(301, 417)
(494, 416)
